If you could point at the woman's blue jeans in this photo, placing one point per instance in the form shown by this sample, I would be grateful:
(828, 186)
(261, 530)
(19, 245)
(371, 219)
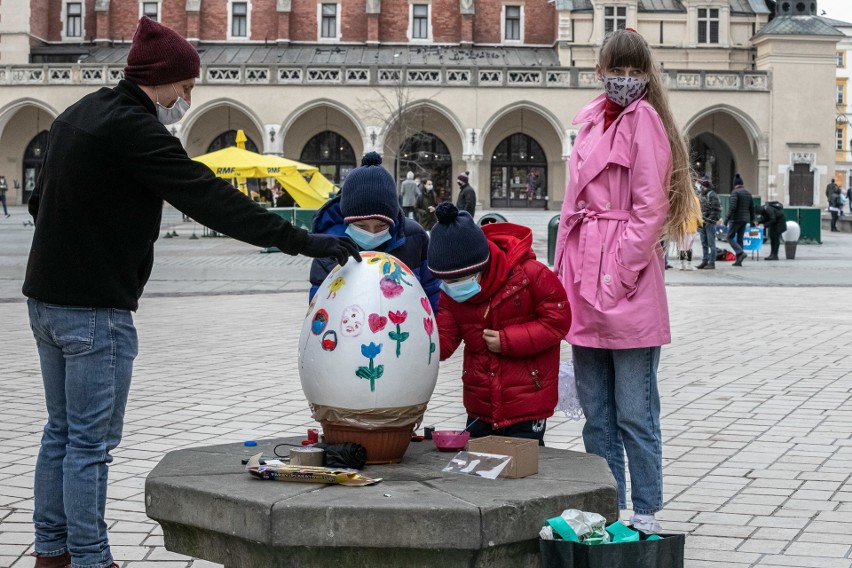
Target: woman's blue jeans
(86, 357)
(618, 392)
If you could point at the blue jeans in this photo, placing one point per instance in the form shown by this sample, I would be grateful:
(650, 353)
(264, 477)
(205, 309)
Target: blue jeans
(708, 242)
(736, 232)
(618, 392)
(86, 357)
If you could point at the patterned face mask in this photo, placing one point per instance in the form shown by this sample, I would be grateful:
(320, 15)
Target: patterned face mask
(624, 90)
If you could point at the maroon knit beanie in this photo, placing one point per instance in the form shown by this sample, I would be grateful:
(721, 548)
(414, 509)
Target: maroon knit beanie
(160, 55)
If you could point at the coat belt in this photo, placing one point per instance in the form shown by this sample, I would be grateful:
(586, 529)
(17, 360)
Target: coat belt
(591, 248)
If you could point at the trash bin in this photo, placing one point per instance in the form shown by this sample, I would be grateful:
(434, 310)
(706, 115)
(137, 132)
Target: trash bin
(791, 239)
(491, 218)
(552, 230)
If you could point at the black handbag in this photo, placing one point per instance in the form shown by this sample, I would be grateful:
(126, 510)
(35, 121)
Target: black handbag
(665, 552)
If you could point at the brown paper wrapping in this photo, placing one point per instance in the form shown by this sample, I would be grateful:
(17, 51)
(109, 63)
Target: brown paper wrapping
(373, 418)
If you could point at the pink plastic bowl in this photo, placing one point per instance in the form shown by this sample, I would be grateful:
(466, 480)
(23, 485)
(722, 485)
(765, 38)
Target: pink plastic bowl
(450, 440)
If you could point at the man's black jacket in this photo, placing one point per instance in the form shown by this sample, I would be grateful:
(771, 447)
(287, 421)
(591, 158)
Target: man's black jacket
(99, 197)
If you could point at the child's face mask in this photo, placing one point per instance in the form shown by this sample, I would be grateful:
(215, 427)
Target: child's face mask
(462, 290)
(367, 240)
(624, 90)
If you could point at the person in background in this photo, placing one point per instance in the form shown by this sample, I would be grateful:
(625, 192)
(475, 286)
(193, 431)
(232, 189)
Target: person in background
(609, 260)
(90, 260)
(4, 187)
(773, 220)
(740, 214)
(711, 212)
(510, 311)
(835, 204)
(425, 206)
(408, 194)
(467, 196)
(368, 211)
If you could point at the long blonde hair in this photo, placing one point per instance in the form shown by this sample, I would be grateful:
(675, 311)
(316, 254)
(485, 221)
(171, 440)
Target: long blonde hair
(626, 48)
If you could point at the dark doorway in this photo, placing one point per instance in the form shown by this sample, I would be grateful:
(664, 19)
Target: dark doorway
(801, 186)
(332, 154)
(711, 157)
(229, 138)
(519, 173)
(33, 159)
(428, 157)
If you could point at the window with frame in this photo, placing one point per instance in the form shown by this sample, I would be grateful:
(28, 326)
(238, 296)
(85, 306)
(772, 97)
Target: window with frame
(615, 18)
(328, 26)
(512, 23)
(420, 21)
(841, 56)
(708, 25)
(73, 19)
(839, 94)
(152, 10)
(239, 19)
(838, 139)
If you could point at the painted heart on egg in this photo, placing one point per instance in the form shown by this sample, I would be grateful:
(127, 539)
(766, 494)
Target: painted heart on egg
(377, 322)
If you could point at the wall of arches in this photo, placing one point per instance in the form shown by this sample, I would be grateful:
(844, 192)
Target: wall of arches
(515, 153)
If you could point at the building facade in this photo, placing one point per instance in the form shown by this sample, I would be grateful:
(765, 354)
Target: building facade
(842, 129)
(445, 86)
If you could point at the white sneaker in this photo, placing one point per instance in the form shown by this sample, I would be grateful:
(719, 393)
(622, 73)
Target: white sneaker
(646, 523)
(689, 266)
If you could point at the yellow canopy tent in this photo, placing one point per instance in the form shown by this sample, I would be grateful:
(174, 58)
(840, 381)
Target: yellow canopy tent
(317, 180)
(235, 162)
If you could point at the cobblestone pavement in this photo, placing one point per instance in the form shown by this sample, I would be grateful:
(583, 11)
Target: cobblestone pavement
(755, 392)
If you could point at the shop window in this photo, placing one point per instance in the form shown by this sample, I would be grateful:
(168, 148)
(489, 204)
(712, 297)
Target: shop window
(519, 173)
(332, 154)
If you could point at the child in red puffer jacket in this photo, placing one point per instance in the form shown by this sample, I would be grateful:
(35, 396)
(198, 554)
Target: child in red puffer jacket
(511, 311)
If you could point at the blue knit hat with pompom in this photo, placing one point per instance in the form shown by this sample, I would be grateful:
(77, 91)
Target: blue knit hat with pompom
(457, 246)
(369, 192)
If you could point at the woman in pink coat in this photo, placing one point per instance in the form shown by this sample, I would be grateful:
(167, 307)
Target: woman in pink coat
(629, 186)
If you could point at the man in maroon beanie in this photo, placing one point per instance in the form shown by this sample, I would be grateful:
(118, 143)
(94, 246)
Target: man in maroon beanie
(92, 254)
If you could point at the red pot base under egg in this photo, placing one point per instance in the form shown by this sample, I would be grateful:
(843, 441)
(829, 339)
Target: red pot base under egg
(383, 445)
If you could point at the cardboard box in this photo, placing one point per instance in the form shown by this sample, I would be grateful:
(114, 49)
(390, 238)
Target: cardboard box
(524, 453)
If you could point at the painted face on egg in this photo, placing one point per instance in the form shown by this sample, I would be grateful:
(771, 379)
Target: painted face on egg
(352, 321)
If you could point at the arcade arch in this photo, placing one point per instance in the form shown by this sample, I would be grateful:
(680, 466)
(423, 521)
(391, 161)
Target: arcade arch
(23, 140)
(522, 158)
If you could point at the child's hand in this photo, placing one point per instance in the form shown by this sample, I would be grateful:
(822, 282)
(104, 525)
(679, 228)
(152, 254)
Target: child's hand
(492, 340)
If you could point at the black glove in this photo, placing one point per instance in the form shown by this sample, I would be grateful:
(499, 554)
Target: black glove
(327, 246)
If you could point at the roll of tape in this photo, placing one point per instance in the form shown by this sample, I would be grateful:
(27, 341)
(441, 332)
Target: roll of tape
(307, 456)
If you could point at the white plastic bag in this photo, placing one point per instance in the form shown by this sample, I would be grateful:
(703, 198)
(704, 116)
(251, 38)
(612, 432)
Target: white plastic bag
(568, 401)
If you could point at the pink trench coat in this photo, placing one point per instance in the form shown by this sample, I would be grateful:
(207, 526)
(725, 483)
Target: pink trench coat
(608, 252)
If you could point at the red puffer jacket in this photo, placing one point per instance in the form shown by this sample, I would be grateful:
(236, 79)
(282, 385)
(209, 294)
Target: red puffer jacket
(530, 310)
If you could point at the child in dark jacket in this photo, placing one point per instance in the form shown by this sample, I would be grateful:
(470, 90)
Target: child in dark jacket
(367, 210)
(511, 311)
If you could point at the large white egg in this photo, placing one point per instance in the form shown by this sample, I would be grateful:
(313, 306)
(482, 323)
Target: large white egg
(369, 342)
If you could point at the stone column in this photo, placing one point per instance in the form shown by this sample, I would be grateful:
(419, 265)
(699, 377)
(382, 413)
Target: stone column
(193, 21)
(468, 11)
(102, 29)
(273, 141)
(283, 8)
(374, 10)
(374, 141)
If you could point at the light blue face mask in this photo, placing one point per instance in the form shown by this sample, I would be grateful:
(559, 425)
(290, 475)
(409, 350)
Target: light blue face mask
(462, 290)
(367, 240)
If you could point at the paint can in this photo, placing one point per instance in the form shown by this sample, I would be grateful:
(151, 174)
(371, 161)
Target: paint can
(307, 456)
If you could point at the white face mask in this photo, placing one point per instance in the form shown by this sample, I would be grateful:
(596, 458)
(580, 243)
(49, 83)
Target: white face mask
(172, 114)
